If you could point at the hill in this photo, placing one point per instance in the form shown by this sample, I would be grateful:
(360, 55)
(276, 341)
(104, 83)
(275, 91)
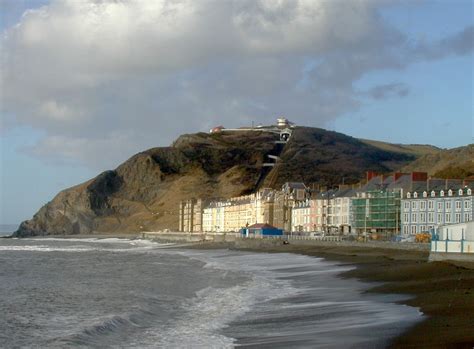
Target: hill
(446, 163)
(143, 193)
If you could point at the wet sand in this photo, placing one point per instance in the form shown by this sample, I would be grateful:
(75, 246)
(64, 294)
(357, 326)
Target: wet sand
(444, 292)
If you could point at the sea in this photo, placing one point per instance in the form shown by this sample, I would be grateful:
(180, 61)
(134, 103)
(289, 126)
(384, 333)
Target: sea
(8, 229)
(120, 293)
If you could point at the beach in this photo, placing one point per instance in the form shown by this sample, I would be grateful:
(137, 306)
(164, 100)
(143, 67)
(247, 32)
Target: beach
(444, 292)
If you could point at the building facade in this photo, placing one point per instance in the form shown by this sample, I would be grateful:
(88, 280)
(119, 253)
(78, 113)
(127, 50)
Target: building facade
(190, 215)
(424, 210)
(301, 217)
(376, 212)
(318, 213)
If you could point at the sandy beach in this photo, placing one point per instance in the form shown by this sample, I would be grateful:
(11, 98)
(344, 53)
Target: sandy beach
(444, 292)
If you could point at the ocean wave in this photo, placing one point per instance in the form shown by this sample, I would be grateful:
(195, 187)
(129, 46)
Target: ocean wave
(115, 245)
(45, 248)
(215, 308)
(103, 240)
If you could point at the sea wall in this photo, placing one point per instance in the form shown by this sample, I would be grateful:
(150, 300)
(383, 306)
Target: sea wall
(189, 237)
(236, 240)
(451, 256)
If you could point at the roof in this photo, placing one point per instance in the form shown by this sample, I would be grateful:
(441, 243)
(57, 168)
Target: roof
(295, 185)
(348, 192)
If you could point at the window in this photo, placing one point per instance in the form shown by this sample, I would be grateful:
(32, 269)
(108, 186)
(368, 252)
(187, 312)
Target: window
(406, 218)
(405, 230)
(425, 194)
(440, 218)
(413, 229)
(406, 205)
(467, 204)
(413, 217)
(448, 218)
(441, 193)
(415, 194)
(413, 205)
(430, 217)
(440, 206)
(450, 192)
(467, 217)
(422, 228)
(458, 205)
(433, 194)
(422, 217)
(431, 205)
(448, 205)
(423, 205)
(460, 192)
(458, 218)
(469, 192)
(408, 195)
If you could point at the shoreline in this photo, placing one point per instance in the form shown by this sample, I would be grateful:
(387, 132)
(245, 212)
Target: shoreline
(443, 291)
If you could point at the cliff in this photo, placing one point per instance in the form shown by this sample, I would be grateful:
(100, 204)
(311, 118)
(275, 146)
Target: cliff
(143, 193)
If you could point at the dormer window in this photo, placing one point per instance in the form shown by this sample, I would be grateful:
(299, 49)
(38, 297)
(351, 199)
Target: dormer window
(441, 193)
(469, 191)
(460, 192)
(450, 192)
(415, 194)
(425, 194)
(433, 194)
(408, 195)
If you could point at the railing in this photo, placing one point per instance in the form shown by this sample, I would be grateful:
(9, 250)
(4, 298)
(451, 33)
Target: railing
(293, 237)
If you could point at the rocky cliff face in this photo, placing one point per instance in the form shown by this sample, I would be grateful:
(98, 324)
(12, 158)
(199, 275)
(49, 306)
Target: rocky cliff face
(143, 193)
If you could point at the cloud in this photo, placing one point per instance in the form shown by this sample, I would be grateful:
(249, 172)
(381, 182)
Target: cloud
(460, 43)
(105, 79)
(389, 90)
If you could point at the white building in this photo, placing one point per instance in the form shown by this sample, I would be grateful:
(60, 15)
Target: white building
(422, 211)
(453, 241)
(339, 210)
(300, 217)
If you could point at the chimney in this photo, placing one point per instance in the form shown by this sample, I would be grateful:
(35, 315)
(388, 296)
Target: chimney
(397, 176)
(370, 175)
(419, 176)
(467, 182)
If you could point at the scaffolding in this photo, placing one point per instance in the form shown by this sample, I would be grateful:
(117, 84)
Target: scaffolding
(377, 211)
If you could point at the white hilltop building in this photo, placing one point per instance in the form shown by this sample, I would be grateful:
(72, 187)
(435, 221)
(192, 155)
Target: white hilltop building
(283, 127)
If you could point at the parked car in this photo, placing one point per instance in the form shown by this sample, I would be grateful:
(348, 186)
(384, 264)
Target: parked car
(317, 234)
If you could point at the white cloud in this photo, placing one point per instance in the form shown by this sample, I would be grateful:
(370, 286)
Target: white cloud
(124, 75)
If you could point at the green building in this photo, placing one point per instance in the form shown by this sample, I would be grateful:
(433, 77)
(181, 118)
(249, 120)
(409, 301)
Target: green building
(377, 211)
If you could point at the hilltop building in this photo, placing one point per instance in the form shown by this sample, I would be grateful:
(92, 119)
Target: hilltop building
(283, 127)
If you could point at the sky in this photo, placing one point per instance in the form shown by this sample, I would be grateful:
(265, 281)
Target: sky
(85, 84)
